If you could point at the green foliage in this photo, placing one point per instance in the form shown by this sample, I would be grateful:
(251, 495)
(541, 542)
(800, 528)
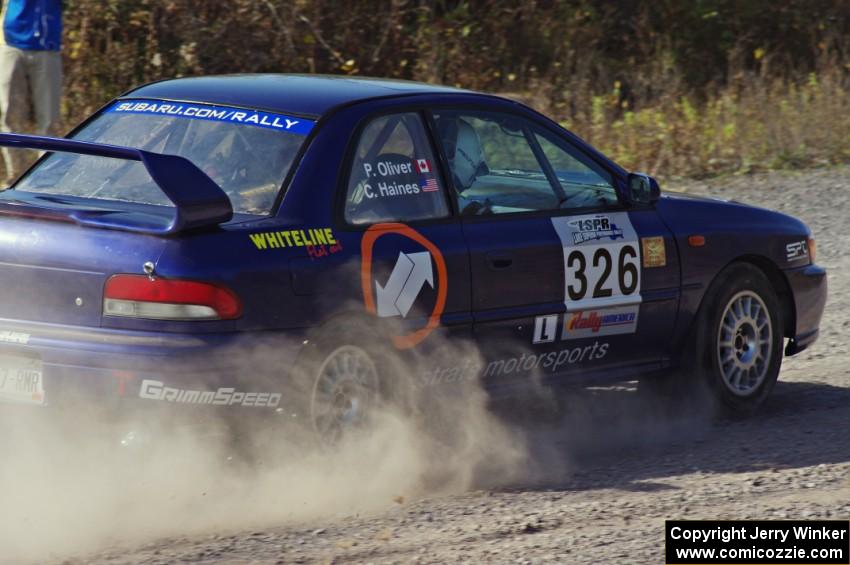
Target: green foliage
(679, 86)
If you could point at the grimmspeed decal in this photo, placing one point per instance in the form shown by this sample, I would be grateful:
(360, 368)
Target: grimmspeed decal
(156, 390)
(239, 116)
(601, 261)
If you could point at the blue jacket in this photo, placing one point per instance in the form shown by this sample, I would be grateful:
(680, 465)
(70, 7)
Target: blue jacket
(33, 25)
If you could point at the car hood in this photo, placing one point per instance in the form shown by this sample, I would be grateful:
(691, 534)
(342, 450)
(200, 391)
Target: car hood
(685, 213)
(674, 195)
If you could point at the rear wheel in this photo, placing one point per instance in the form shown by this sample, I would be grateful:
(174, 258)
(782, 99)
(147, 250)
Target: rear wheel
(349, 375)
(345, 392)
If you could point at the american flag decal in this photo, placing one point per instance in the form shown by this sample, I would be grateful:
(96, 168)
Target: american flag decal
(429, 185)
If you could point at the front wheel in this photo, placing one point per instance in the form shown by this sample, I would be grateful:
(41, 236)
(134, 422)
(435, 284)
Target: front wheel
(733, 353)
(736, 346)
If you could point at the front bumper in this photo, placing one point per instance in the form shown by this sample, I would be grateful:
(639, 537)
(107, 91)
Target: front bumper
(83, 367)
(809, 288)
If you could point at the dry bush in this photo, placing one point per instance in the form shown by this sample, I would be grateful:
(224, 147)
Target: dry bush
(673, 88)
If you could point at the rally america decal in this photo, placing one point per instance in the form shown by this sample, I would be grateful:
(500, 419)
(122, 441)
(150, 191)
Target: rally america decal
(586, 323)
(601, 270)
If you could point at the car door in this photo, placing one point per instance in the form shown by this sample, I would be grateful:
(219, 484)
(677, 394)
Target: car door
(414, 260)
(561, 275)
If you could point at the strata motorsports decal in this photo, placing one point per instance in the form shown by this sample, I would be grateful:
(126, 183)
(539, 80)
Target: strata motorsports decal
(398, 176)
(227, 114)
(156, 390)
(292, 238)
(550, 362)
(396, 295)
(601, 261)
(796, 251)
(411, 272)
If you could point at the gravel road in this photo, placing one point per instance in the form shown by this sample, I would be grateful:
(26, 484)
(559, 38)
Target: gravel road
(606, 496)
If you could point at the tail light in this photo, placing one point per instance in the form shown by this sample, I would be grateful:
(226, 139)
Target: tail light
(139, 296)
(813, 249)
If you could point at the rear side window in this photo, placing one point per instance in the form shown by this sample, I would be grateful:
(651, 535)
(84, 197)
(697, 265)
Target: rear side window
(247, 153)
(393, 176)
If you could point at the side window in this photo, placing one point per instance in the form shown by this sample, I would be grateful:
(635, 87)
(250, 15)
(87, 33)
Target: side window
(499, 165)
(393, 176)
(493, 165)
(585, 184)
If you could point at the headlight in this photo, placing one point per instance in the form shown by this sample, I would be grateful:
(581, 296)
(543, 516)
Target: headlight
(813, 249)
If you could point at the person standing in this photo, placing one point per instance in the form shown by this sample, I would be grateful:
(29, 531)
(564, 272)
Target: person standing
(30, 71)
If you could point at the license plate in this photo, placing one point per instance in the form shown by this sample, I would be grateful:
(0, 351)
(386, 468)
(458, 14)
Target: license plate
(21, 380)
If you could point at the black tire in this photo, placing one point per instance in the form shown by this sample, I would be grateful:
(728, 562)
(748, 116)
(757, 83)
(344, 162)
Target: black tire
(734, 350)
(710, 367)
(356, 396)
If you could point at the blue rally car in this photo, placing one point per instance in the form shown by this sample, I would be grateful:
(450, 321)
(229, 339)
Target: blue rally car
(265, 243)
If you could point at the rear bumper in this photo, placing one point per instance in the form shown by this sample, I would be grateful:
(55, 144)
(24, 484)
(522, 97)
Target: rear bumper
(809, 287)
(107, 366)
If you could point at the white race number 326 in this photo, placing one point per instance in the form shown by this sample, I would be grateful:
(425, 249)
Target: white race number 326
(601, 260)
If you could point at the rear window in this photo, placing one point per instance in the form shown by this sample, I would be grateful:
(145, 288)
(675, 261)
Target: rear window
(247, 153)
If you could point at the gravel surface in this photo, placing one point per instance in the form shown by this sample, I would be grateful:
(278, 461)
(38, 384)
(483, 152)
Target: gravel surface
(606, 499)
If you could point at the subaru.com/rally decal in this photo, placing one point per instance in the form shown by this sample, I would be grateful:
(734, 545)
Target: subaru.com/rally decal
(268, 120)
(601, 261)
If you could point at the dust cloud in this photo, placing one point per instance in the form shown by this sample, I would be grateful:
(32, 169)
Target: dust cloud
(68, 488)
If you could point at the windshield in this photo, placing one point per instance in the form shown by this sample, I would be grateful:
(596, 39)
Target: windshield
(247, 153)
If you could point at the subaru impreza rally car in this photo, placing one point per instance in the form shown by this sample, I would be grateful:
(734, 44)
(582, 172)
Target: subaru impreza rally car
(215, 241)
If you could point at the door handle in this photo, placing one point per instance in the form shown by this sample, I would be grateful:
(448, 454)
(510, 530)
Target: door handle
(499, 260)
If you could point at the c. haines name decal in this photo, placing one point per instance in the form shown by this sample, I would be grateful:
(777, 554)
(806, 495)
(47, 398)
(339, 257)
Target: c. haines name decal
(293, 238)
(388, 178)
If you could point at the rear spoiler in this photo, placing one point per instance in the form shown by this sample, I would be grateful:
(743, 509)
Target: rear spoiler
(198, 200)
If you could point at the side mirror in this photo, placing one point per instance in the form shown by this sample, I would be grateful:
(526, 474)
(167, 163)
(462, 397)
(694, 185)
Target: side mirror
(643, 189)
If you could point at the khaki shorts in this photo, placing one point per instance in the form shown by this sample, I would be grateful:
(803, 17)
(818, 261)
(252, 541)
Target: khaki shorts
(30, 86)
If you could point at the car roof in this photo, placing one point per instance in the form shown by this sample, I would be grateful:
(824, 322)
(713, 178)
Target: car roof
(303, 95)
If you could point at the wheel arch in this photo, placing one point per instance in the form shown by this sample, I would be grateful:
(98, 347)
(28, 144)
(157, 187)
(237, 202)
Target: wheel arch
(777, 280)
(338, 324)
(781, 287)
